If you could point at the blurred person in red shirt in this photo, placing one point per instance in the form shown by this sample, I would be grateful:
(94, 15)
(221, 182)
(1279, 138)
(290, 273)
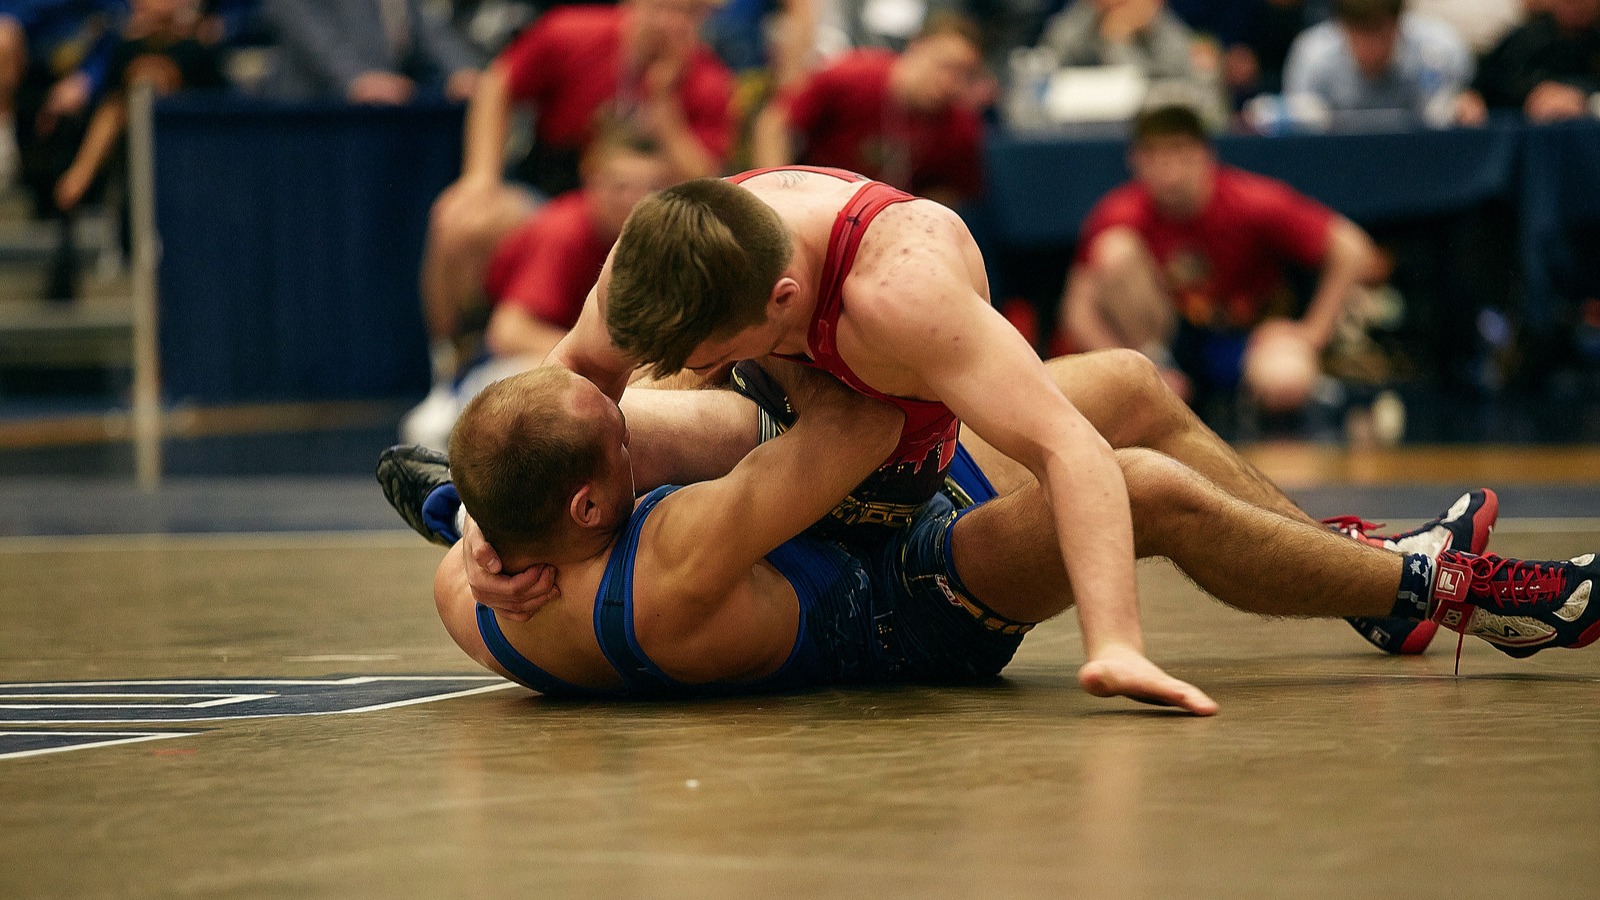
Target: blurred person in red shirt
(541, 271)
(641, 62)
(908, 120)
(1186, 264)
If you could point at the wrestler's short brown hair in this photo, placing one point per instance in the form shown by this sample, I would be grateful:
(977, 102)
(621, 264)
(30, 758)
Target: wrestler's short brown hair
(695, 261)
(518, 454)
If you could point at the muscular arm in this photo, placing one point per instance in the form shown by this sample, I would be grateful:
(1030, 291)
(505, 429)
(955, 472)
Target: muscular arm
(918, 299)
(969, 357)
(711, 534)
(1351, 256)
(587, 348)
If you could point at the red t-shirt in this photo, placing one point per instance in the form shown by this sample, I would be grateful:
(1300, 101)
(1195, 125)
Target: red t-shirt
(1224, 266)
(569, 65)
(846, 119)
(548, 264)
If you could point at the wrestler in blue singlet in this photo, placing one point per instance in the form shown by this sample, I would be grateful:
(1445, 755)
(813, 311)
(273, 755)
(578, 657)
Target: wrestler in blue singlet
(874, 611)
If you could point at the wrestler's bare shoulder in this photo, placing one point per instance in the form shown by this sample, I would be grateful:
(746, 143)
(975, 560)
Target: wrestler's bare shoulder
(797, 194)
(909, 248)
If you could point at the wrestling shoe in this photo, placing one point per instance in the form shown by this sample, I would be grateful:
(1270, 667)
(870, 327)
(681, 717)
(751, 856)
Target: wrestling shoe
(416, 482)
(1466, 525)
(1520, 606)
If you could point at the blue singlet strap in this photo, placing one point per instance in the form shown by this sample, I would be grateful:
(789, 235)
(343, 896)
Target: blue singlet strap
(613, 611)
(522, 668)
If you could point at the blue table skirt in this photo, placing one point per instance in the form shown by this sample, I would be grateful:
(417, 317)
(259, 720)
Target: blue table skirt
(291, 242)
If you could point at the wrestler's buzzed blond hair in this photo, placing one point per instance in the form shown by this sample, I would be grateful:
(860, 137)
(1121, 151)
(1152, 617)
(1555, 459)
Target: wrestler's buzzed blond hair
(518, 454)
(695, 261)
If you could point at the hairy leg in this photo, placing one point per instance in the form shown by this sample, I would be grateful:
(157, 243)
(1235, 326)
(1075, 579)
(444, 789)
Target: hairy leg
(1122, 395)
(1250, 558)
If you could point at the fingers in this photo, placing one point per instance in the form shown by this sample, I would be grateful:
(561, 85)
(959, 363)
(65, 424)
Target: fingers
(1144, 682)
(479, 553)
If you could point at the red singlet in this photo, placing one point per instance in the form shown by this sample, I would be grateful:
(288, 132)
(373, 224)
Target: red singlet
(931, 428)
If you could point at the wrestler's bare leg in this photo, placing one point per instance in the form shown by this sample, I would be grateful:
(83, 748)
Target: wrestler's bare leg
(1250, 558)
(1122, 395)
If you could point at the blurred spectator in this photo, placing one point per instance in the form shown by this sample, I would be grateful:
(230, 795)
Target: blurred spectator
(1549, 66)
(900, 119)
(491, 24)
(365, 51)
(1185, 265)
(1370, 57)
(1229, 26)
(641, 62)
(891, 24)
(1259, 67)
(775, 36)
(157, 46)
(53, 59)
(1142, 48)
(542, 271)
(1141, 33)
(1481, 23)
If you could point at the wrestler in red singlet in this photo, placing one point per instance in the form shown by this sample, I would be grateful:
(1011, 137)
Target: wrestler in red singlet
(916, 469)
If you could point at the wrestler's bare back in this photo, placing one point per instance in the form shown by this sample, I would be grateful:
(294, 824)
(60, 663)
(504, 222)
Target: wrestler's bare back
(918, 234)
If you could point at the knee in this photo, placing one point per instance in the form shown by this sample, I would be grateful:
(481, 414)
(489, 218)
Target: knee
(1159, 487)
(1150, 410)
(1117, 252)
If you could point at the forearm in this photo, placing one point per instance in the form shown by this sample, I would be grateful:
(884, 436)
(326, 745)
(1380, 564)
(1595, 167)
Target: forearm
(1350, 257)
(488, 121)
(793, 48)
(606, 373)
(104, 129)
(1094, 527)
(770, 143)
(687, 436)
(688, 156)
(1081, 313)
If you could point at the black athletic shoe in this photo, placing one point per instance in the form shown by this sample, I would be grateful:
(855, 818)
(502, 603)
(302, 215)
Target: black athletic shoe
(411, 474)
(1465, 526)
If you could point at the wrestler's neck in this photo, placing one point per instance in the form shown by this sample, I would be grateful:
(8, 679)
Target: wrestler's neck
(576, 550)
(795, 307)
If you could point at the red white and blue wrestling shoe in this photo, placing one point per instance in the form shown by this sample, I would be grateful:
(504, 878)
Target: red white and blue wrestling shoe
(1520, 606)
(1466, 525)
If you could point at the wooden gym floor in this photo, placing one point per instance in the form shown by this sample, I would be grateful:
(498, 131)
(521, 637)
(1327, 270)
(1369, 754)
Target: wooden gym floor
(1331, 771)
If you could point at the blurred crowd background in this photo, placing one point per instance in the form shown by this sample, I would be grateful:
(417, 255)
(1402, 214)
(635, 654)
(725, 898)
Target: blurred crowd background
(1323, 217)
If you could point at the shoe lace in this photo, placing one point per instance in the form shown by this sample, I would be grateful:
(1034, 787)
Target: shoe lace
(1354, 526)
(1517, 581)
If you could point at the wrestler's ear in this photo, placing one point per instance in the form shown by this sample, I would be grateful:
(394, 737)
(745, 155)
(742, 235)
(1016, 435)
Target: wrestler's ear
(782, 297)
(583, 509)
